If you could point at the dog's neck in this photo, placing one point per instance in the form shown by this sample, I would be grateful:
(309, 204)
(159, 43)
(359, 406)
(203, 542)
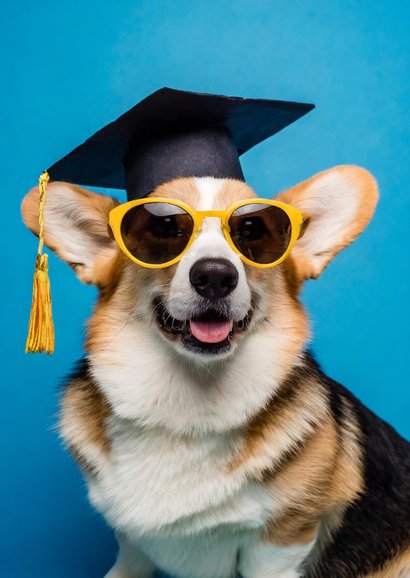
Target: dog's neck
(153, 386)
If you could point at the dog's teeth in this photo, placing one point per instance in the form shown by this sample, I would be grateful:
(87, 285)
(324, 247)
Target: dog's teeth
(231, 325)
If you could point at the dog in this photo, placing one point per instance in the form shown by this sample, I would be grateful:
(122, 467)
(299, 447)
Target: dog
(239, 458)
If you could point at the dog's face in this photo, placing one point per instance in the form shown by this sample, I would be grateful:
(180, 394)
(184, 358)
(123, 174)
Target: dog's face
(205, 305)
(209, 313)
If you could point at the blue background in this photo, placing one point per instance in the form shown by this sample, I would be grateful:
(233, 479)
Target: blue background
(70, 67)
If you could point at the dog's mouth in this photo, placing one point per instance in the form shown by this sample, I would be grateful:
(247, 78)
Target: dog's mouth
(209, 331)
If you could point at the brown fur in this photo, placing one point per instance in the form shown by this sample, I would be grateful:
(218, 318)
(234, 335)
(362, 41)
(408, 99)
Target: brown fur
(288, 411)
(397, 567)
(183, 189)
(231, 192)
(318, 470)
(84, 413)
(322, 480)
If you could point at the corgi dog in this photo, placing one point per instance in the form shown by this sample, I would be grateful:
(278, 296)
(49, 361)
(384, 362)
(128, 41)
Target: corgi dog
(209, 437)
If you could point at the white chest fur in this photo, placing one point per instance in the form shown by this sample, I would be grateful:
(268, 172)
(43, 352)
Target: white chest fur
(157, 484)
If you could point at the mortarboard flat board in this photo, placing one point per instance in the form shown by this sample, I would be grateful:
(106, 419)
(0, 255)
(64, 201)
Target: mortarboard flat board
(174, 133)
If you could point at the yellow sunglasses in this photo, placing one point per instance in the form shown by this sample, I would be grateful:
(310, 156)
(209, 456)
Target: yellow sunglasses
(157, 232)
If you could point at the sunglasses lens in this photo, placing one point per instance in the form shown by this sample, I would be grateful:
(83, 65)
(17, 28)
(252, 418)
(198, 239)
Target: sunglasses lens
(156, 233)
(260, 232)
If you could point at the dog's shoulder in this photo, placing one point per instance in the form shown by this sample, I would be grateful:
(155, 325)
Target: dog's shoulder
(375, 530)
(84, 411)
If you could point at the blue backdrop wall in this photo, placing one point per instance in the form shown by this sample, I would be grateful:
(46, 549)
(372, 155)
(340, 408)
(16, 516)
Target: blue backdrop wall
(68, 68)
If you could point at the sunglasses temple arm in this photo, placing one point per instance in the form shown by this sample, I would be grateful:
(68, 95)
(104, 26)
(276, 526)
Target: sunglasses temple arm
(304, 225)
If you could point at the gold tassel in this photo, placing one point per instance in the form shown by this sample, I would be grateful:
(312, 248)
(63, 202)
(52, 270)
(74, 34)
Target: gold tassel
(40, 336)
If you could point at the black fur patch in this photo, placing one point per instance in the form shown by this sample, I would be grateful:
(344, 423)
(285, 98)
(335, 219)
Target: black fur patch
(81, 370)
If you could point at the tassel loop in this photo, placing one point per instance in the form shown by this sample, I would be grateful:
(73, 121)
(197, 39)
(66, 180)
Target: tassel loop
(40, 336)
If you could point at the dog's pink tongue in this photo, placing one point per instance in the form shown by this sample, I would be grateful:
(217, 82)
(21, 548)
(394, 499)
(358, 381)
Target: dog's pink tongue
(210, 331)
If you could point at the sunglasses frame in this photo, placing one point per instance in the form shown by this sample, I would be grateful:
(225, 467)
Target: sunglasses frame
(298, 221)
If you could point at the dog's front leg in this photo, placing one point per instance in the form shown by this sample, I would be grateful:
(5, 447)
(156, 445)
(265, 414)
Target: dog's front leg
(264, 560)
(131, 562)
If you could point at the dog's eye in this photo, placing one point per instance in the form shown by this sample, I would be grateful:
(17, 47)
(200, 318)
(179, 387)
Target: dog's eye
(252, 228)
(164, 226)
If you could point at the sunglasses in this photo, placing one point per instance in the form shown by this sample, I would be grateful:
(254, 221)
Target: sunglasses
(156, 232)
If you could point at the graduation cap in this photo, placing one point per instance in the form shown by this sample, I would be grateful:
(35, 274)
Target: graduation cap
(169, 134)
(173, 133)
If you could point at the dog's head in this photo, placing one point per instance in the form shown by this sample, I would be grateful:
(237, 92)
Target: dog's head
(210, 310)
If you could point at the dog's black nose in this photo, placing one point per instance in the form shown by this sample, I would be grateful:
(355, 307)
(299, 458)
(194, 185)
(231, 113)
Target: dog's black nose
(213, 278)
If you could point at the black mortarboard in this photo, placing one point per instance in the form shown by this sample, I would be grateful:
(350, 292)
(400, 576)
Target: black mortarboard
(173, 133)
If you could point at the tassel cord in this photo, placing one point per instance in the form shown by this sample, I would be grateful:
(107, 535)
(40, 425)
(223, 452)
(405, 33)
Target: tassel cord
(40, 336)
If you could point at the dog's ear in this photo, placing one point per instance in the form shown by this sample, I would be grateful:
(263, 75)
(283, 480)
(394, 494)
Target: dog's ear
(340, 203)
(75, 228)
